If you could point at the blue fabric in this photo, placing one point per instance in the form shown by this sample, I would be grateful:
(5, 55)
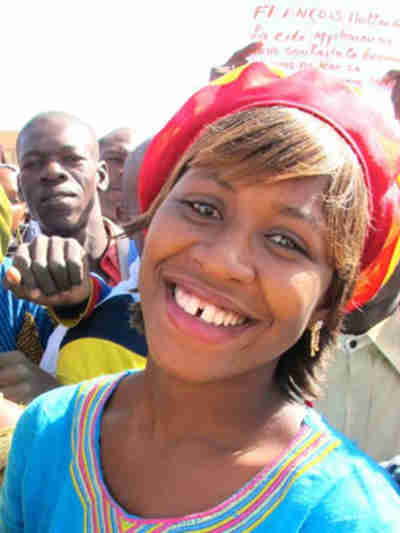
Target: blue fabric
(344, 491)
(132, 254)
(393, 467)
(12, 316)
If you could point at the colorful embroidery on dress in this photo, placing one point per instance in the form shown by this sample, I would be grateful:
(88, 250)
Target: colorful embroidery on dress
(243, 512)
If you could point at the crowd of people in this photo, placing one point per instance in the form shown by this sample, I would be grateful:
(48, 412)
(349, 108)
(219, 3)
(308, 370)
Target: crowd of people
(221, 300)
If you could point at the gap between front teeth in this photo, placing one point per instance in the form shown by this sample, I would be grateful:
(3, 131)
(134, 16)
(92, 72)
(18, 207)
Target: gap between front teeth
(209, 312)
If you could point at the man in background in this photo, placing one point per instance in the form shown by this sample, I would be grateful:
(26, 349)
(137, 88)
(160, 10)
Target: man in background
(60, 178)
(114, 149)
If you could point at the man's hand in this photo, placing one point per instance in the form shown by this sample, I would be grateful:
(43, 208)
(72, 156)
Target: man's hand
(50, 271)
(237, 59)
(21, 380)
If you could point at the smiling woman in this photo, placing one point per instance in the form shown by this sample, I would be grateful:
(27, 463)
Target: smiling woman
(257, 198)
(275, 146)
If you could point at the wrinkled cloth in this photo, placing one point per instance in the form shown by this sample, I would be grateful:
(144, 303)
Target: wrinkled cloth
(102, 339)
(362, 389)
(54, 479)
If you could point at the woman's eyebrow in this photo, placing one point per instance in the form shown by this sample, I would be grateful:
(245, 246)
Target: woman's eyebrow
(223, 183)
(301, 214)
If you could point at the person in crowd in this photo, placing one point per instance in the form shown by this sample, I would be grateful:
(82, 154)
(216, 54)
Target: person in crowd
(3, 159)
(6, 222)
(89, 348)
(258, 239)
(115, 147)
(9, 181)
(364, 383)
(60, 176)
(128, 207)
(101, 340)
(25, 327)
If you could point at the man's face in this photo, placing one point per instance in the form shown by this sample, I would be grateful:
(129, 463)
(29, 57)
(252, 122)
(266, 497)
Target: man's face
(114, 151)
(128, 207)
(58, 174)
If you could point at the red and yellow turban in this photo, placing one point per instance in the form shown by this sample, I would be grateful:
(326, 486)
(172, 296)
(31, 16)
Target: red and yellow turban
(374, 139)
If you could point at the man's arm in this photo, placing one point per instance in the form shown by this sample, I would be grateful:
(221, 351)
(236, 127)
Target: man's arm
(21, 380)
(52, 272)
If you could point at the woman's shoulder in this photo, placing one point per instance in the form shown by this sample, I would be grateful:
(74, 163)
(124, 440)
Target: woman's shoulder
(354, 485)
(61, 404)
(346, 454)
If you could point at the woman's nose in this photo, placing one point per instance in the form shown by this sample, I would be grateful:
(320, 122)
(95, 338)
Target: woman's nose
(227, 257)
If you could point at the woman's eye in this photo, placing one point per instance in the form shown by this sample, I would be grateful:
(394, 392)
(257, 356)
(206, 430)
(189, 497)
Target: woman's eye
(287, 242)
(204, 209)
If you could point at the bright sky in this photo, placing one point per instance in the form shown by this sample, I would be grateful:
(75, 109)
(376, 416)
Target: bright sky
(114, 64)
(117, 63)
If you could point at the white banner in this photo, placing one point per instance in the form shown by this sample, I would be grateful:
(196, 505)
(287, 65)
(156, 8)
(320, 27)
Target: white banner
(356, 44)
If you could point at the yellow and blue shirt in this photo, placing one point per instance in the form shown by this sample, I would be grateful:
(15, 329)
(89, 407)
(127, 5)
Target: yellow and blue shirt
(100, 340)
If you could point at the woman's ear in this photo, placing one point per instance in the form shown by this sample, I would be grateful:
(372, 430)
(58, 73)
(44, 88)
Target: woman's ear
(103, 180)
(320, 315)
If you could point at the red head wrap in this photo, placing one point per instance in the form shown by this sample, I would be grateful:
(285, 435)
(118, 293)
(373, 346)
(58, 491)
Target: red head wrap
(372, 137)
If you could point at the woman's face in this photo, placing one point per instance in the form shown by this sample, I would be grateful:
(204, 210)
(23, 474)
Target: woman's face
(232, 274)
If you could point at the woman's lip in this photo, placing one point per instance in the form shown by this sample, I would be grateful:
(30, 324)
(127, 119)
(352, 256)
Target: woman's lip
(196, 327)
(209, 296)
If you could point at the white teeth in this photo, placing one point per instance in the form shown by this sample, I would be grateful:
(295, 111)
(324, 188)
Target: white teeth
(210, 313)
(235, 320)
(187, 302)
(192, 305)
(180, 298)
(219, 317)
(227, 319)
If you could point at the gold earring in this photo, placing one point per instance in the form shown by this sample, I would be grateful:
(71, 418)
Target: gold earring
(315, 337)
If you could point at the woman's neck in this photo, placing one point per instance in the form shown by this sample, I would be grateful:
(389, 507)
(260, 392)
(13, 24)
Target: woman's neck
(187, 448)
(241, 410)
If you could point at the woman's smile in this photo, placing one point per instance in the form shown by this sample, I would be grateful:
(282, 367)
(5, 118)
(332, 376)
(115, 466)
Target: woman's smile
(238, 270)
(204, 319)
(207, 312)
